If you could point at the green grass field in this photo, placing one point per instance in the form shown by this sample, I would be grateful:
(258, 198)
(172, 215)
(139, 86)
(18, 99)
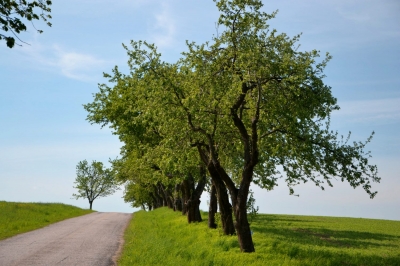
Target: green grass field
(163, 237)
(17, 217)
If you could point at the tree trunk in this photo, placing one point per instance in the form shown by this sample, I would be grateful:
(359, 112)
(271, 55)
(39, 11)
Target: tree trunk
(212, 209)
(225, 208)
(158, 200)
(177, 198)
(193, 207)
(167, 196)
(242, 224)
(239, 202)
(193, 203)
(185, 188)
(90, 202)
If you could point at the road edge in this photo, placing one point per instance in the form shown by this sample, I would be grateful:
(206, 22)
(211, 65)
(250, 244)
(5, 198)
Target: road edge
(121, 243)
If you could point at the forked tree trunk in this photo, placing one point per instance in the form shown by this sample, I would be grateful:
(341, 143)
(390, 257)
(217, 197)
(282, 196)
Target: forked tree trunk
(239, 202)
(212, 209)
(193, 203)
(225, 208)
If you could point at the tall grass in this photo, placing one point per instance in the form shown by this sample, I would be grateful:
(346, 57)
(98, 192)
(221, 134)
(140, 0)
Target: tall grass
(163, 237)
(17, 217)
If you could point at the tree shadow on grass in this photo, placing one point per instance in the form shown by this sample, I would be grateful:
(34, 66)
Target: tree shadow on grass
(326, 237)
(305, 239)
(285, 219)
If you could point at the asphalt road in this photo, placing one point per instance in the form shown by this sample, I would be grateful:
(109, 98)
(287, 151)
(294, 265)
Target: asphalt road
(92, 239)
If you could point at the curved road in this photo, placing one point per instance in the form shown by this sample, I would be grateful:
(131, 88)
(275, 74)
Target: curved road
(92, 239)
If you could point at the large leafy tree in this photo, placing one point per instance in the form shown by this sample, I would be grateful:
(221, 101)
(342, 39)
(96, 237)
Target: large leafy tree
(11, 13)
(93, 181)
(251, 105)
(149, 157)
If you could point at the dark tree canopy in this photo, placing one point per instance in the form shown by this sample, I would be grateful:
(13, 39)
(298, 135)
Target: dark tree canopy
(11, 13)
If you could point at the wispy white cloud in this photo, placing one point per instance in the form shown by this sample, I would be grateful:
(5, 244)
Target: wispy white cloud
(71, 64)
(366, 11)
(371, 111)
(74, 65)
(164, 30)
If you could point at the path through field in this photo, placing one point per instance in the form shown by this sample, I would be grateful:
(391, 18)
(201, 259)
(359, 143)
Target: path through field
(92, 239)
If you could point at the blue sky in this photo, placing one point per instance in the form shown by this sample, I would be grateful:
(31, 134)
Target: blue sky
(43, 86)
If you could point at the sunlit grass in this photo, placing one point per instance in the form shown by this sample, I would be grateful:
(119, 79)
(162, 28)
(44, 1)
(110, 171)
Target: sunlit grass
(163, 237)
(17, 217)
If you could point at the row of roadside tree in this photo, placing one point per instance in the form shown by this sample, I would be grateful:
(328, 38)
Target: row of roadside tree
(245, 108)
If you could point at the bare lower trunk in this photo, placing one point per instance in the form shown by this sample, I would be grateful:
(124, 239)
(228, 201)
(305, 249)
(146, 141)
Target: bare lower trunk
(242, 225)
(167, 196)
(90, 202)
(157, 199)
(239, 202)
(177, 199)
(193, 203)
(212, 210)
(185, 188)
(225, 208)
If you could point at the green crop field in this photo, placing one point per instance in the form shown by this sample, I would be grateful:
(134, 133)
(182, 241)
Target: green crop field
(163, 237)
(17, 217)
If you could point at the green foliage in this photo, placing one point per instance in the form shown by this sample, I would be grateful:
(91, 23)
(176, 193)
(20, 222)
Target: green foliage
(164, 237)
(93, 181)
(12, 10)
(249, 104)
(18, 217)
(249, 99)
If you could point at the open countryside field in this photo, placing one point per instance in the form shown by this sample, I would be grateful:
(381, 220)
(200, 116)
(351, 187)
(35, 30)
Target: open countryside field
(163, 237)
(18, 217)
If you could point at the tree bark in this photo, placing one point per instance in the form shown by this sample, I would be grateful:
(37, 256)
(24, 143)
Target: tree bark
(167, 196)
(242, 224)
(177, 199)
(158, 200)
(239, 201)
(225, 208)
(90, 202)
(185, 188)
(193, 203)
(212, 209)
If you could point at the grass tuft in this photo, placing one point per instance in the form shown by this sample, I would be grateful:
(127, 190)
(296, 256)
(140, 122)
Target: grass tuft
(18, 217)
(163, 237)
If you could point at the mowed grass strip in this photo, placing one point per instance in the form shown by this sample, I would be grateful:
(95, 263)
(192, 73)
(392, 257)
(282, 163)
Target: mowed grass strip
(18, 217)
(163, 237)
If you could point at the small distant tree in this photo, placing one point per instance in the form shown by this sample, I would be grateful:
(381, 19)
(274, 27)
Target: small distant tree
(93, 181)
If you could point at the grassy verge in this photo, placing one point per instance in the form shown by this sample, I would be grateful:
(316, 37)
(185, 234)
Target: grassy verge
(162, 237)
(16, 217)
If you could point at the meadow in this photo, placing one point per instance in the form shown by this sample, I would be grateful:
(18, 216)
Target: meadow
(163, 237)
(18, 217)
